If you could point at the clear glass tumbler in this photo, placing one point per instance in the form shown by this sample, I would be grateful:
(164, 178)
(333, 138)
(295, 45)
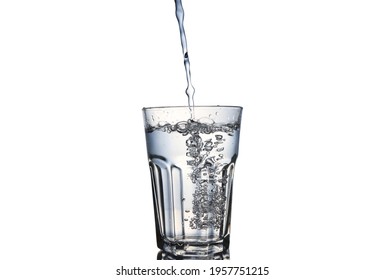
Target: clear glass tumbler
(192, 162)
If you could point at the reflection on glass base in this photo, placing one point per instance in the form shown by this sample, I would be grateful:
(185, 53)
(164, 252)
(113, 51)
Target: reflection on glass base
(225, 255)
(218, 250)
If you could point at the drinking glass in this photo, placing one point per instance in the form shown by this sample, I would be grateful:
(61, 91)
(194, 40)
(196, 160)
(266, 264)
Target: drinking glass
(191, 155)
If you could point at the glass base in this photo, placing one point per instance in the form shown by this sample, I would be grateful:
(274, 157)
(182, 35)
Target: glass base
(182, 251)
(162, 255)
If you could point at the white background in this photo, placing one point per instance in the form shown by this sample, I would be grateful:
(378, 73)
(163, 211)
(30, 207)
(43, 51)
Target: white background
(75, 195)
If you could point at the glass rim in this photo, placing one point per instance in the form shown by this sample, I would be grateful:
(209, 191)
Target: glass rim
(196, 106)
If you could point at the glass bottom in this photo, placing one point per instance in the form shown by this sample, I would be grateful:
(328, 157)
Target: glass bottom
(224, 255)
(195, 251)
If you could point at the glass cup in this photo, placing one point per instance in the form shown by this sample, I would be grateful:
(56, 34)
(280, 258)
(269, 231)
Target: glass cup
(192, 162)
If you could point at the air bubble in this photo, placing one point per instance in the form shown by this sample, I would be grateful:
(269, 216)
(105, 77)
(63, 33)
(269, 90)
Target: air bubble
(181, 127)
(218, 137)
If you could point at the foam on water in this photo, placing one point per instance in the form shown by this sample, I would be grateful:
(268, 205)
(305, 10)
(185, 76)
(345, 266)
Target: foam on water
(193, 127)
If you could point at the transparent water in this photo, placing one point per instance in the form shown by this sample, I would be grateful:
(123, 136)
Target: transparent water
(190, 90)
(192, 167)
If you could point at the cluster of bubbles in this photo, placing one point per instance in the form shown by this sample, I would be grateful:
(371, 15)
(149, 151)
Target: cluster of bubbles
(195, 127)
(209, 199)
